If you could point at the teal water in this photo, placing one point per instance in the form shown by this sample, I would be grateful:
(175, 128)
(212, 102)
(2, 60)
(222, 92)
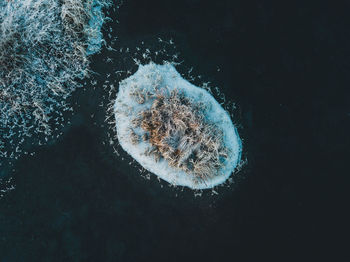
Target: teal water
(286, 67)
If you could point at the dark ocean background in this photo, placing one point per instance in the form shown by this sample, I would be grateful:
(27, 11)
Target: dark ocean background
(286, 66)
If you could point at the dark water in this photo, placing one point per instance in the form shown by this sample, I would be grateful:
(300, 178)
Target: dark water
(285, 64)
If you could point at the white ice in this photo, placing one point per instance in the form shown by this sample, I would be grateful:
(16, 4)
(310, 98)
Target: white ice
(95, 25)
(154, 77)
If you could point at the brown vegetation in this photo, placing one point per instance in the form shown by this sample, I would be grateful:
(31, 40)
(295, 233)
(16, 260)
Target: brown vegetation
(178, 131)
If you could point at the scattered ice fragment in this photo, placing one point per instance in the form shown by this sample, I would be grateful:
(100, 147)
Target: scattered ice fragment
(44, 49)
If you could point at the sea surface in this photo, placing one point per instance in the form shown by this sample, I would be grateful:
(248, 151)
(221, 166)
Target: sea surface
(285, 65)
